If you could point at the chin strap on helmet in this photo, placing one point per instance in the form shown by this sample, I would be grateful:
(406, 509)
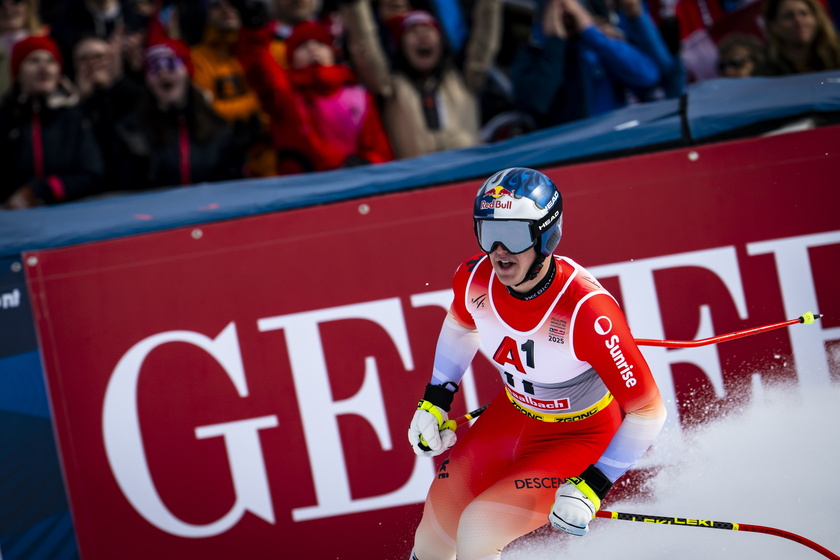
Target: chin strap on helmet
(535, 268)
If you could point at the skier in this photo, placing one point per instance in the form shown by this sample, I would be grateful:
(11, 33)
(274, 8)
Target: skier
(579, 405)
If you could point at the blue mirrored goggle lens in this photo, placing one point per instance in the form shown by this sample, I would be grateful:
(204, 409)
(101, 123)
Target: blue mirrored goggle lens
(515, 235)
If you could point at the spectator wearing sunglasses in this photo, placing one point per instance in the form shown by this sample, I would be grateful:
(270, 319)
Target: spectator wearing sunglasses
(173, 137)
(18, 19)
(740, 56)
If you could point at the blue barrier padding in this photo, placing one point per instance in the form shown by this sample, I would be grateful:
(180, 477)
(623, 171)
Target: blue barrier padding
(118, 215)
(716, 107)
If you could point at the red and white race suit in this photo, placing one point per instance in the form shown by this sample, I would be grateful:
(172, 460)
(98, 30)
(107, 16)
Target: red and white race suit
(569, 366)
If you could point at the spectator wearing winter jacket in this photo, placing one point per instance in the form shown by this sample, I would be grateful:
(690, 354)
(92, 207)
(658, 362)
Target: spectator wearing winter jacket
(173, 137)
(48, 152)
(219, 73)
(636, 25)
(429, 104)
(217, 70)
(321, 117)
(106, 95)
(578, 69)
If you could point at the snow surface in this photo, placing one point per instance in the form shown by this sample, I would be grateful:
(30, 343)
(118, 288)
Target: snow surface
(775, 463)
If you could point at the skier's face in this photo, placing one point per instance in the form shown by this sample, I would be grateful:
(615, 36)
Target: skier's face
(511, 268)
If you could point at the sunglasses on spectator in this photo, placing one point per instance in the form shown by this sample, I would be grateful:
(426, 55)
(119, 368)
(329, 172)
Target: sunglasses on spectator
(736, 63)
(158, 64)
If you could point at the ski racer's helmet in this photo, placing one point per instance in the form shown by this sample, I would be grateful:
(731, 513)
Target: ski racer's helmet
(518, 208)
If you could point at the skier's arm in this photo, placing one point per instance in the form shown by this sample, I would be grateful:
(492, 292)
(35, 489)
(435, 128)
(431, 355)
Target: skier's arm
(602, 338)
(429, 433)
(620, 363)
(456, 348)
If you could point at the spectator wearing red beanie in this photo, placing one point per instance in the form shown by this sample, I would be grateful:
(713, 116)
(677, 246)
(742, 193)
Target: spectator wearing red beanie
(169, 52)
(398, 24)
(173, 137)
(48, 152)
(321, 117)
(168, 69)
(25, 47)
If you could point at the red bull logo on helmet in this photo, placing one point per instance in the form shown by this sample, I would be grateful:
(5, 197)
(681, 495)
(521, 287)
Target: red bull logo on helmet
(496, 204)
(498, 192)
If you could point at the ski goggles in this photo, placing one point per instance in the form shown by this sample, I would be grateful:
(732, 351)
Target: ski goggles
(514, 235)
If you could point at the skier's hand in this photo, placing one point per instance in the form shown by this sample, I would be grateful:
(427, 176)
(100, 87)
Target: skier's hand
(577, 500)
(431, 431)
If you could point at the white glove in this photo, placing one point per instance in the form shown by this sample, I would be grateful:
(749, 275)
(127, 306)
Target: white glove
(431, 432)
(572, 509)
(577, 500)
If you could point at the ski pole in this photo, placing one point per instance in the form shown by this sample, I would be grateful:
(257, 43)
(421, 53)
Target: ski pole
(687, 522)
(453, 424)
(805, 319)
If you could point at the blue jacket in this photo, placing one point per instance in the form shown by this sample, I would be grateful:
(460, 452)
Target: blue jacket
(564, 80)
(642, 32)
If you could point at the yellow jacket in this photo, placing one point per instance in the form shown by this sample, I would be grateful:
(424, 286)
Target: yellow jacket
(217, 71)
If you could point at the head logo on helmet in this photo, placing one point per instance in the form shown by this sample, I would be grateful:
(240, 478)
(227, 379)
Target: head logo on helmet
(523, 195)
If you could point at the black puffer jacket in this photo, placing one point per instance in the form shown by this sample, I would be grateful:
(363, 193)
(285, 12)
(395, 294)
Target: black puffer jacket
(176, 147)
(48, 144)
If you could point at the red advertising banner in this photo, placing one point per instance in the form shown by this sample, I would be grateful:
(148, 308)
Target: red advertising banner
(243, 389)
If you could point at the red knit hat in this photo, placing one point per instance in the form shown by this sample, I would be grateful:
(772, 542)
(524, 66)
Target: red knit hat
(25, 47)
(307, 31)
(397, 25)
(159, 44)
(170, 48)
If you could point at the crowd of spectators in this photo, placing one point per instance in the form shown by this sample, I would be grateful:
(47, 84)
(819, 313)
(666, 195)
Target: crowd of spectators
(104, 96)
